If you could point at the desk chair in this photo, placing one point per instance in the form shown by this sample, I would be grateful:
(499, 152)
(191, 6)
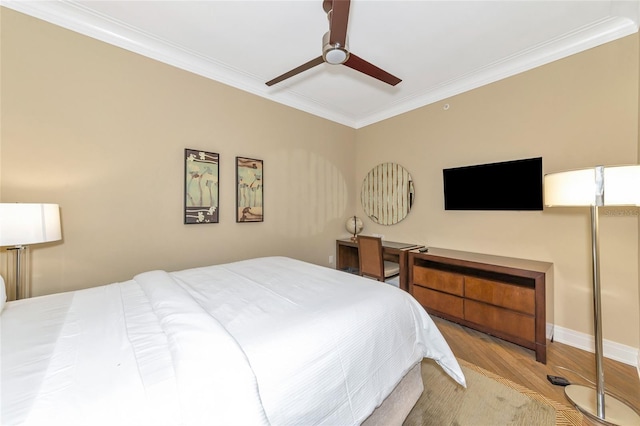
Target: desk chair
(372, 263)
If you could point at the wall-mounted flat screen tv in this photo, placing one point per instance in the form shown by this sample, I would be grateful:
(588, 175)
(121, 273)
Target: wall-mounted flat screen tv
(508, 185)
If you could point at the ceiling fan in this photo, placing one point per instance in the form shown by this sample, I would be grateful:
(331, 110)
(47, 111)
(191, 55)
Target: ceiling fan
(335, 50)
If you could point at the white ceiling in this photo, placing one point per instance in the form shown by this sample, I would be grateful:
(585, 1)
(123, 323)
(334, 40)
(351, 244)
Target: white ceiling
(438, 48)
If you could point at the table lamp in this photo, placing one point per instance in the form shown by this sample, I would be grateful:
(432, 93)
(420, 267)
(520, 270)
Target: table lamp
(22, 224)
(354, 226)
(596, 187)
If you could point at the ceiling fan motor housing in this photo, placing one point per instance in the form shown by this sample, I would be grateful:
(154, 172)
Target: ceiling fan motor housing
(333, 54)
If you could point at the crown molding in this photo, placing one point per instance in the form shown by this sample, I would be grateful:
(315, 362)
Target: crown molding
(578, 41)
(75, 17)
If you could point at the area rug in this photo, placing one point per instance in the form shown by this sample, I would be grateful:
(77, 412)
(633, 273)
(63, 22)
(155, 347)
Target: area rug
(488, 400)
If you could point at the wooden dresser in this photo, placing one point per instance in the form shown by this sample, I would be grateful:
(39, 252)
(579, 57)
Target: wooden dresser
(506, 297)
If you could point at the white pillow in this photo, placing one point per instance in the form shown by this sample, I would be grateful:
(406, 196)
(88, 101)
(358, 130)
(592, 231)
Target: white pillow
(3, 293)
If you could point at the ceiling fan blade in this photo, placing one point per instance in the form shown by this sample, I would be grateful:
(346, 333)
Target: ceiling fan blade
(312, 63)
(339, 20)
(359, 64)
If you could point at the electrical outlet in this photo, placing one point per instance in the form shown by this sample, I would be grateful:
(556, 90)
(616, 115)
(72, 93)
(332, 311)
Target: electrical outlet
(330, 260)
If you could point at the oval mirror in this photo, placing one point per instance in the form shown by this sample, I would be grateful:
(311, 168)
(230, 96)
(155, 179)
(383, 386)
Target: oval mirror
(387, 193)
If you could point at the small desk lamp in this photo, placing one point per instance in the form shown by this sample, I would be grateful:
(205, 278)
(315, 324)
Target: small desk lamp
(596, 187)
(22, 224)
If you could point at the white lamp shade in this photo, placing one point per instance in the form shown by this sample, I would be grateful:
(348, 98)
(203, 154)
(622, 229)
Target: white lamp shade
(621, 187)
(26, 223)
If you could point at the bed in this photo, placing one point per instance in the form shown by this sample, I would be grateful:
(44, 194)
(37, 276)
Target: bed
(270, 340)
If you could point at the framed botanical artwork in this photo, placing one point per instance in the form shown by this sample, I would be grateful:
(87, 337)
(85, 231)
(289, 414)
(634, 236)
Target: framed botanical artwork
(249, 195)
(201, 190)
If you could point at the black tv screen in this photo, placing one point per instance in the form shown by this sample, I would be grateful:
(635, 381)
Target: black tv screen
(508, 185)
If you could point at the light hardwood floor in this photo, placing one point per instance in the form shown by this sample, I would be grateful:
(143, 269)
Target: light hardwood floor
(519, 364)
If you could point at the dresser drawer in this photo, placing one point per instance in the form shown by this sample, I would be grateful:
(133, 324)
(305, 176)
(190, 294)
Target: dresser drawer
(438, 280)
(517, 298)
(499, 319)
(441, 302)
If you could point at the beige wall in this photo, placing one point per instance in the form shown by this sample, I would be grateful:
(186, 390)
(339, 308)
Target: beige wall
(577, 112)
(101, 131)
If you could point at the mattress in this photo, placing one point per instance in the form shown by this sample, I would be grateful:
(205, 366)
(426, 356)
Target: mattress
(269, 340)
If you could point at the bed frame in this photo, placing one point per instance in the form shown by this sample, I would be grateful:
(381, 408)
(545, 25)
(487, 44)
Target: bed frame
(397, 406)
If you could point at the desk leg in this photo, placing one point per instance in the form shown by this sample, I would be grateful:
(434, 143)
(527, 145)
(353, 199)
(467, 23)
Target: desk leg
(347, 258)
(404, 276)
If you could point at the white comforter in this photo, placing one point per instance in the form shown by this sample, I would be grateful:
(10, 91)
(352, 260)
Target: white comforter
(264, 341)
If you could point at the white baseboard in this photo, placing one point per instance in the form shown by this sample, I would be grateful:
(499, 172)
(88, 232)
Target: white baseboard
(616, 351)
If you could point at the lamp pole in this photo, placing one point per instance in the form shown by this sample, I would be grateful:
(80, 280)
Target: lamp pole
(597, 311)
(18, 272)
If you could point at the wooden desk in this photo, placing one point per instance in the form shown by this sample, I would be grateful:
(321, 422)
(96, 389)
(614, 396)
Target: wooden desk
(347, 257)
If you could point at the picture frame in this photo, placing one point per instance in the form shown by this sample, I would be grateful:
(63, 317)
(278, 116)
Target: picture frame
(201, 186)
(249, 190)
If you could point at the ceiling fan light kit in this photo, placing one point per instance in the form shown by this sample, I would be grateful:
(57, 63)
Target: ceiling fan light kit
(333, 54)
(335, 50)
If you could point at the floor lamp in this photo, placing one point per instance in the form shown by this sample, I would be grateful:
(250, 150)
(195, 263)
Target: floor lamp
(596, 187)
(23, 224)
